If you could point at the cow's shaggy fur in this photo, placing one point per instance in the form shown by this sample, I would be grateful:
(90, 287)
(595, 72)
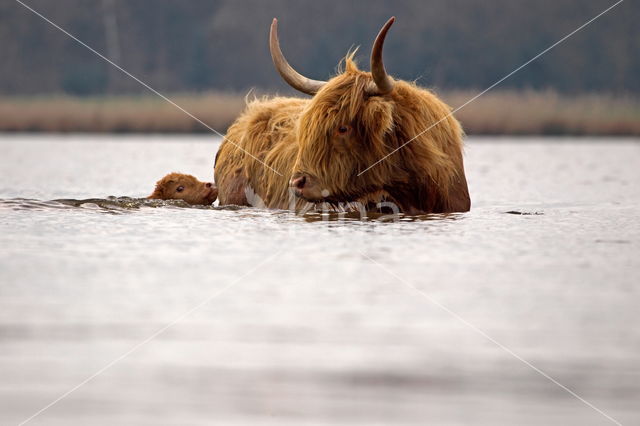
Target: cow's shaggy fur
(300, 136)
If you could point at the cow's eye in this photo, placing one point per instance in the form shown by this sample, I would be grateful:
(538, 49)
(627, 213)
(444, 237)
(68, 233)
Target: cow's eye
(343, 130)
(180, 189)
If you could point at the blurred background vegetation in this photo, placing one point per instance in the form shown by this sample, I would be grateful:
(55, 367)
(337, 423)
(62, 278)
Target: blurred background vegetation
(210, 53)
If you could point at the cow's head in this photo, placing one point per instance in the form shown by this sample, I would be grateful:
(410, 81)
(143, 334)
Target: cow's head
(353, 121)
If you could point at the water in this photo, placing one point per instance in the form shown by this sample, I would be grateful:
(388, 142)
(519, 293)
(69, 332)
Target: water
(250, 317)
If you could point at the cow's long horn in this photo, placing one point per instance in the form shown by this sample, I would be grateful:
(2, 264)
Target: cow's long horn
(383, 83)
(291, 76)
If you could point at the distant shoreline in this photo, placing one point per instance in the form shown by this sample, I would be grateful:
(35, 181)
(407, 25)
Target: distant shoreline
(495, 113)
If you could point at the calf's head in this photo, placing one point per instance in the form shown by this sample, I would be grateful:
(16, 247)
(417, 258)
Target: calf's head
(178, 186)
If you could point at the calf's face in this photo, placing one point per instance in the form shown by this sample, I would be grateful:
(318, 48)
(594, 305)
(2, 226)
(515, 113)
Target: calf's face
(178, 186)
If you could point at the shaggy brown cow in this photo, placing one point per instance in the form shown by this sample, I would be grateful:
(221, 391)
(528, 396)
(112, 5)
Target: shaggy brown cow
(322, 148)
(178, 186)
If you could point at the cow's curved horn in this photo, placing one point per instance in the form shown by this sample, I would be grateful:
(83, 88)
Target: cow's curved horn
(291, 76)
(383, 83)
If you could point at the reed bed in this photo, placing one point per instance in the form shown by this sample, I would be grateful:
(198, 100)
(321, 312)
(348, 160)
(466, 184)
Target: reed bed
(547, 113)
(119, 114)
(495, 113)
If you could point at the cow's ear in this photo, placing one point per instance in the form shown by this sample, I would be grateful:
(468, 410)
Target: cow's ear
(378, 116)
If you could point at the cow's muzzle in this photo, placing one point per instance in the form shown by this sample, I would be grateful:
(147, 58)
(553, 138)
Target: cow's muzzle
(306, 187)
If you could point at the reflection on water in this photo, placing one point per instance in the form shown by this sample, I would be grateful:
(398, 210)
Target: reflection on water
(106, 205)
(323, 319)
(118, 205)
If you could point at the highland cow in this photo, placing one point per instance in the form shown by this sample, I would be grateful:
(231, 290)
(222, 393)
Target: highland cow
(362, 137)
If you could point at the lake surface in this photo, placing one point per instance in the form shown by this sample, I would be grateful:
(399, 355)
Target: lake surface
(170, 315)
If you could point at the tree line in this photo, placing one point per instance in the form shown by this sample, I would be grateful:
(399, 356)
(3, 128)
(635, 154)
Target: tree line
(198, 45)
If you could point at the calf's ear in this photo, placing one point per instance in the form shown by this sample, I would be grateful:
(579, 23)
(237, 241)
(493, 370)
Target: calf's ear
(157, 192)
